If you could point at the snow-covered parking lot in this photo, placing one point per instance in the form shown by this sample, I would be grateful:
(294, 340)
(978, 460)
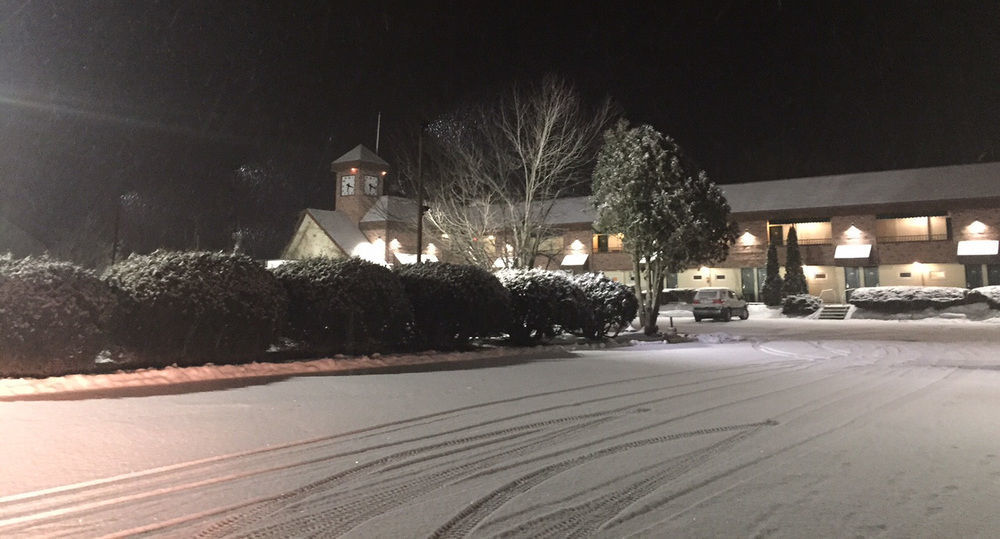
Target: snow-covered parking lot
(767, 427)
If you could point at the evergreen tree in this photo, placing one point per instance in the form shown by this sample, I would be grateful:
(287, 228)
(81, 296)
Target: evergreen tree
(795, 278)
(773, 282)
(672, 216)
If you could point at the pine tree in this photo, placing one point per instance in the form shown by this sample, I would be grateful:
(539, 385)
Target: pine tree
(773, 282)
(795, 278)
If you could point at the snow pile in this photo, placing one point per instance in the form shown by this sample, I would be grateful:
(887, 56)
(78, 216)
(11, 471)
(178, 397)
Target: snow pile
(718, 338)
(10, 388)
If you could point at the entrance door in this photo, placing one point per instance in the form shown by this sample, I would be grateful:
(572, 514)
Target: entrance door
(871, 275)
(852, 280)
(973, 275)
(993, 274)
(747, 285)
(670, 280)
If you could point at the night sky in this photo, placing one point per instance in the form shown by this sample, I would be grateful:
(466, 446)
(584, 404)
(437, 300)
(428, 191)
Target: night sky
(164, 101)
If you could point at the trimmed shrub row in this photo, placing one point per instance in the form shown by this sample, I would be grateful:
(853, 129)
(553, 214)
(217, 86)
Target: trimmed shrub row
(190, 308)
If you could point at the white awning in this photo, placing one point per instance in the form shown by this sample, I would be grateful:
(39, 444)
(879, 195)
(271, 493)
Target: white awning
(574, 259)
(860, 250)
(407, 259)
(978, 247)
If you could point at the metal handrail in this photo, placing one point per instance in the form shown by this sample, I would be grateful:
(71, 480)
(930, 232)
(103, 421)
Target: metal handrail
(912, 237)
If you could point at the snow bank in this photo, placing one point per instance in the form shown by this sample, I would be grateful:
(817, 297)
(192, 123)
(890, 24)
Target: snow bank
(22, 387)
(718, 338)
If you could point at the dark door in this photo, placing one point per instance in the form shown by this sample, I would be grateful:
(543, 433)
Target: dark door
(973, 275)
(747, 285)
(852, 280)
(670, 280)
(871, 275)
(993, 274)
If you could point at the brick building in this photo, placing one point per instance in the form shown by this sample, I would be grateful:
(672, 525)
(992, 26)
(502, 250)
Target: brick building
(935, 226)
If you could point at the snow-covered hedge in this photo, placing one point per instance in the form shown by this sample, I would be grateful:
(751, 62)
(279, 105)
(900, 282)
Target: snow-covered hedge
(800, 305)
(53, 317)
(347, 305)
(613, 304)
(987, 294)
(192, 308)
(453, 303)
(899, 299)
(544, 304)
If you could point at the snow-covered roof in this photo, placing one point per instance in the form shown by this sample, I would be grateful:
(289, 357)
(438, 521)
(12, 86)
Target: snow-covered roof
(339, 227)
(572, 210)
(958, 182)
(392, 208)
(361, 153)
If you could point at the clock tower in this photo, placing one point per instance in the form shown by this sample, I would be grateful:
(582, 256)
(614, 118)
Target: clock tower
(359, 177)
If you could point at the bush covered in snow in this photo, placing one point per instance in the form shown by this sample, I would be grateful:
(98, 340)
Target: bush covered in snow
(988, 294)
(453, 303)
(346, 305)
(545, 303)
(900, 299)
(800, 305)
(191, 308)
(53, 317)
(613, 304)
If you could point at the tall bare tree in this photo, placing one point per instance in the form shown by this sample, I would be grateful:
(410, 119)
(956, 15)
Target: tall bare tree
(493, 172)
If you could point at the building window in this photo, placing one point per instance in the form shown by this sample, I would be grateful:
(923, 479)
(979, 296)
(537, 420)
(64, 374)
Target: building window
(820, 276)
(906, 275)
(720, 277)
(808, 232)
(607, 243)
(696, 277)
(921, 228)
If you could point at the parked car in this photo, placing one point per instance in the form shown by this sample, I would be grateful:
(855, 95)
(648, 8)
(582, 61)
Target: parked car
(719, 303)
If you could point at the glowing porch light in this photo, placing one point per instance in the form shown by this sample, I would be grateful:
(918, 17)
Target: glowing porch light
(853, 232)
(491, 237)
(576, 246)
(977, 227)
(354, 170)
(509, 248)
(748, 239)
(394, 245)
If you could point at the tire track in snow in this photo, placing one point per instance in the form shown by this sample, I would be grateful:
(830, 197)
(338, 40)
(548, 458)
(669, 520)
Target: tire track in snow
(465, 521)
(864, 415)
(70, 499)
(584, 519)
(325, 517)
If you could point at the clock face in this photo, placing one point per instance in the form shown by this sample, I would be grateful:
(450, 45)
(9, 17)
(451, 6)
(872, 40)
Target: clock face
(347, 185)
(371, 185)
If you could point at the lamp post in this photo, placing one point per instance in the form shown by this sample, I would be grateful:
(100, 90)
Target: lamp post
(420, 193)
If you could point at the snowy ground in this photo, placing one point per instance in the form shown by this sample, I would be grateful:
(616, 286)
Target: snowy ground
(762, 427)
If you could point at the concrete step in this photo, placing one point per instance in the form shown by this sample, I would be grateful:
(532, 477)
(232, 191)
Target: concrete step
(834, 312)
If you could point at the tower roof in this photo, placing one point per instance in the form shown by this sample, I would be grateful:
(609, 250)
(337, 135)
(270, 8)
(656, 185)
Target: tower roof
(361, 154)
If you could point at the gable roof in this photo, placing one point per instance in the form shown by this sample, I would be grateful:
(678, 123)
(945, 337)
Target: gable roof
(338, 226)
(956, 182)
(361, 154)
